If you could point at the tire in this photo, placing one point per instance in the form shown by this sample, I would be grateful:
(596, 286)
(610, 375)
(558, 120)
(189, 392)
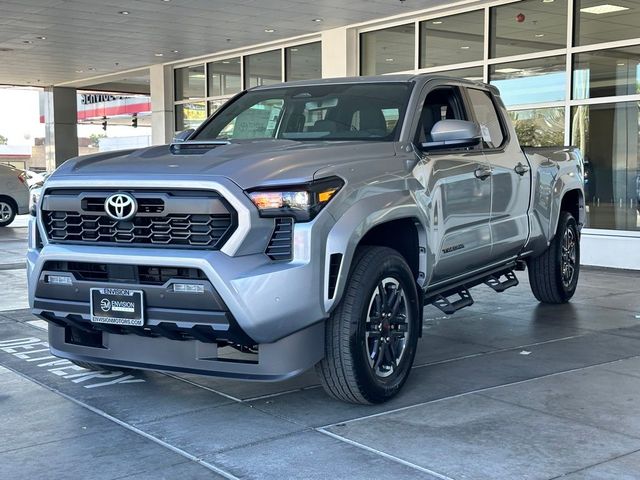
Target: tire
(360, 344)
(554, 274)
(7, 212)
(97, 366)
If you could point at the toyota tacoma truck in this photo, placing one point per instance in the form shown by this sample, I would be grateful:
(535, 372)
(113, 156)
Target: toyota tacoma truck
(303, 224)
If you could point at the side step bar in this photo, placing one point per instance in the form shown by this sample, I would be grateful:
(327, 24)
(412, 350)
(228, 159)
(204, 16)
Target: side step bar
(440, 297)
(449, 307)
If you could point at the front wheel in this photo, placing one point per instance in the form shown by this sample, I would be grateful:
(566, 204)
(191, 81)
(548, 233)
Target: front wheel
(371, 336)
(554, 274)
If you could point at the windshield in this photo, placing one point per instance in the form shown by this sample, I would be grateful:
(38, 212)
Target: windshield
(351, 111)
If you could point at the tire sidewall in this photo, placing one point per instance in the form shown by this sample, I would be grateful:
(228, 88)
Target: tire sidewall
(567, 221)
(381, 389)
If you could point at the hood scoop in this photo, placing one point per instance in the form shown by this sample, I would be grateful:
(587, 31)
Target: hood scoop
(195, 148)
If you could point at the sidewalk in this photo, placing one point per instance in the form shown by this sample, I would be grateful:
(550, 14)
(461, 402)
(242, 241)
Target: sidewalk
(13, 244)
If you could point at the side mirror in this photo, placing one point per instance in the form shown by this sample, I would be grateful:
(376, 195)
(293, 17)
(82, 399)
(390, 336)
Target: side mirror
(183, 136)
(447, 134)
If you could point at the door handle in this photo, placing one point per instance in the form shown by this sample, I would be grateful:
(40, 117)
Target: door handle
(482, 173)
(521, 168)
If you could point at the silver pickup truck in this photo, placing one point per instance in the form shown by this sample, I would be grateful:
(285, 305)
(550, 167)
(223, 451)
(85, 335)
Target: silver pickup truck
(304, 224)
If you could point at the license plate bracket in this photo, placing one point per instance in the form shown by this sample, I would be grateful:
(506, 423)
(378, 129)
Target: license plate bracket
(117, 306)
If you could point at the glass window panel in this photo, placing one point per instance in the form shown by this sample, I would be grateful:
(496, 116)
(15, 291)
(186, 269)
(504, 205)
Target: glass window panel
(190, 115)
(530, 81)
(224, 77)
(453, 39)
(386, 51)
(528, 26)
(539, 127)
(304, 62)
(263, 68)
(609, 137)
(473, 74)
(189, 82)
(214, 105)
(607, 22)
(487, 117)
(606, 73)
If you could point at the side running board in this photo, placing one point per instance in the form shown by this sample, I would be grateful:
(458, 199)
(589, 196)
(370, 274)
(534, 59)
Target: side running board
(449, 307)
(499, 280)
(498, 285)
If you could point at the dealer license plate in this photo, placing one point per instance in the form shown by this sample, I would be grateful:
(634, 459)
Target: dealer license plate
(117, 306)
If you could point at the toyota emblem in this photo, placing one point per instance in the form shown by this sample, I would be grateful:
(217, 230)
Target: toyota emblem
(120, 206)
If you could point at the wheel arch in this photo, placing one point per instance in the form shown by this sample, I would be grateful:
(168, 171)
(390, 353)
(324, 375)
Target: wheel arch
(401, 229)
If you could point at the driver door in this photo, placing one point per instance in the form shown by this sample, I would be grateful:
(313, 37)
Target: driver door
(456, 192)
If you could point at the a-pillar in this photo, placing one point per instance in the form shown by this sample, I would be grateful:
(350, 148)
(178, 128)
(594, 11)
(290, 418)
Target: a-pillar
(61, 125)
(162, 117)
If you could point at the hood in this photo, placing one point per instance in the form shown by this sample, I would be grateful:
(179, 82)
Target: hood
(246, 163)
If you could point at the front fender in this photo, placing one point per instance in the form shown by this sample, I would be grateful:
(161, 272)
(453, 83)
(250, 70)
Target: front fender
(354, 224)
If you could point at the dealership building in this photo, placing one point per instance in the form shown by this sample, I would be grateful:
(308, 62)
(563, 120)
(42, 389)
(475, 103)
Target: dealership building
(568, 72)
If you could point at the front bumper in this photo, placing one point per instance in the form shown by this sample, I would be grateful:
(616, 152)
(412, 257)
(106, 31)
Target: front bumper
(277, 306)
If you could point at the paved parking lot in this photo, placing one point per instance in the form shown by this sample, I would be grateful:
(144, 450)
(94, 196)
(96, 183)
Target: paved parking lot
(506, 389)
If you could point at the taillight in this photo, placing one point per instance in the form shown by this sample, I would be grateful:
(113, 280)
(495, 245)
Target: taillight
(23, 178)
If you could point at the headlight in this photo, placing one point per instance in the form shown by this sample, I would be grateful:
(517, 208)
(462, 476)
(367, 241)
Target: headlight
(303, 202)
(34, 198)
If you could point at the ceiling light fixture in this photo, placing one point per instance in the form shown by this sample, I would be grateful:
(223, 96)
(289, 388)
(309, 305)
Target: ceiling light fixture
(317, 20)
(226, 61)
(604, 8)
(548, 1)
(159, 54)
(507, 70)
(388, 59)
(437, 22)
(123, 12)
(465, 47)
(294, 49)
(269, 30)
(27, 41)
(621, 64)
(539, 35)
(175, 51)
(79, 71)
(91, 69)
(41, 38)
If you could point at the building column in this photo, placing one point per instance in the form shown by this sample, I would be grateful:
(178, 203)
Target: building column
(61, 125)
(162, 117)
(339, 53)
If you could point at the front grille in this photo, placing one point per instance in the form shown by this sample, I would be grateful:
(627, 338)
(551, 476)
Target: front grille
(176, 219)
(280, 244)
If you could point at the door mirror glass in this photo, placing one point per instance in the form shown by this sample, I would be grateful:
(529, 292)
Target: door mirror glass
(183, 135)
(447, 134)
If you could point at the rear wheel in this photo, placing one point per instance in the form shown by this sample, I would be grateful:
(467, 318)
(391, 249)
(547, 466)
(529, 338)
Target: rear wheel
(371, 337)
(7, 212)
(554, 274)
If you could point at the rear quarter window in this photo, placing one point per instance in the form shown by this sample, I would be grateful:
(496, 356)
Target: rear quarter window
(487, 116)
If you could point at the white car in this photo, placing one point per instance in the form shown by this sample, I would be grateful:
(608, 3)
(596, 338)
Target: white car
(14, 194)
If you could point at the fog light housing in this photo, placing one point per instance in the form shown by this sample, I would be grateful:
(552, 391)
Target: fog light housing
(188, 288)
(59, 280)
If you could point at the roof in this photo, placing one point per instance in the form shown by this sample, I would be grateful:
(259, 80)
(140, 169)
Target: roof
(394, 78)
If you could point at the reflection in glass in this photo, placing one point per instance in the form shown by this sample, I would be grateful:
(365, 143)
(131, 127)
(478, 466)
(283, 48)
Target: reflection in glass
(606, 73)
(528, 26)
(473, 74)
(263, 68)
(453, 39)
(189, 82)
(224, 77)
(190, 115)
(530, 81)
(598, 21)
(304, 62)
(539, 127)
(388, 50)
(609, 137)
